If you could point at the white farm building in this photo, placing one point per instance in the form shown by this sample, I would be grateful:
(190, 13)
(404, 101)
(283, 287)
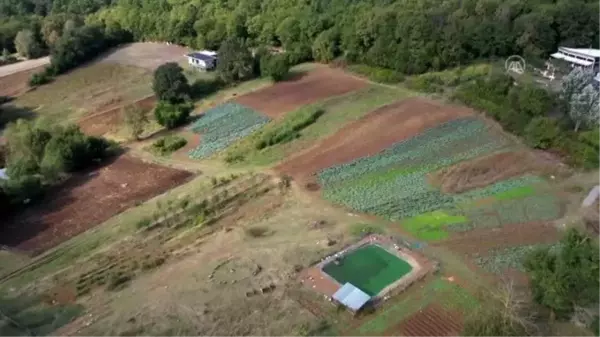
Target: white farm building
(203, 60)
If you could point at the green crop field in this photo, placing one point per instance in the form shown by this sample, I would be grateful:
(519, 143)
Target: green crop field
(395, 184)
(223, 125)
(370, 268)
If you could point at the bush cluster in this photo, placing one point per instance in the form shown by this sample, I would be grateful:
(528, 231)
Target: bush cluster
(171, 115)
(289, 130)
(38, 154)
(523, 110)
(377, 74)
(168, 144)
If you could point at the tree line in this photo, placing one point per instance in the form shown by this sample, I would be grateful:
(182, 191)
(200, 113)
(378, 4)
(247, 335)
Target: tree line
(404, 35)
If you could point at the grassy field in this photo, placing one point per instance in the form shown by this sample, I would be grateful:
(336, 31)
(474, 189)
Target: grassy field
(89, 89)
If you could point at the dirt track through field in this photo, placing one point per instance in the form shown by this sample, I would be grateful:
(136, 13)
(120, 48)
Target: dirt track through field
(86, 200)
(23, 66)
(372, 134)
(482, 240)
(311, 87)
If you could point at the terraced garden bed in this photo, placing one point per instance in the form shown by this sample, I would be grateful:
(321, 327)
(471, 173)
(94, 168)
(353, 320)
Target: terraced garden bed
(219, 127)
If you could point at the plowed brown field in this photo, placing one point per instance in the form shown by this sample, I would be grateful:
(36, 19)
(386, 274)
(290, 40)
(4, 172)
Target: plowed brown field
(434, 320)
(482, 240)
(289, 95)
(371, 134)
(86, 200)
(17, 83)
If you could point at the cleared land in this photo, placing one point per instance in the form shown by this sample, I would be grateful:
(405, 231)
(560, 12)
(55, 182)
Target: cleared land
(17, 83)
(100, 123)
(310, 87)
(433, 320)
(93, 88)
(371, 134)
(87, 200)
(149, 55)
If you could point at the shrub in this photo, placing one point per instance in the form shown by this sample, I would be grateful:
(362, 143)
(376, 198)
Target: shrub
(235, 61)
(542, 132)
(275, 66)
(256, 232)
(143, 223)
(135, 118)
(172, 115)
(38, 79)
(326, 46)
(289, 130)
(362, 229)
(168, 144)
(118, 280)
(530, 100)
(583, 148)
(170, 84)
(23, 188)
(377, 74)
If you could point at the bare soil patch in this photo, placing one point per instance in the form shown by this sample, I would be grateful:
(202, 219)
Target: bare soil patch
(17, 83)
(482, 240)
(372, 134)
(484, 171)
(149, 55)
(313, 86)
(105, 121)
(86, 200)
(434, 320)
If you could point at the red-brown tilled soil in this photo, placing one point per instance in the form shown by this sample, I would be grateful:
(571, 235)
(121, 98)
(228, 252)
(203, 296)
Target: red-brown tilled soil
(290, 95)
(482, 240)
(16, 84)
(372, 134)
(86, 200)
(434, 320)
(103, 122)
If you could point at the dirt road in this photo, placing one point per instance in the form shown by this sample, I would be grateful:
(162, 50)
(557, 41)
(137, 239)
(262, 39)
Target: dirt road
(23, 66)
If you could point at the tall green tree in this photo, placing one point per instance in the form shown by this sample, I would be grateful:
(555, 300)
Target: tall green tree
(27, 45)
(235, 61)
(170, 84)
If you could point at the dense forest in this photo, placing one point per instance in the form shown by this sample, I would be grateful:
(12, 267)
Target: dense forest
(411, 36)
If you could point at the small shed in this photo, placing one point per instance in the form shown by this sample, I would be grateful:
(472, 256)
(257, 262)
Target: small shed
(351, 297)
(204, 59)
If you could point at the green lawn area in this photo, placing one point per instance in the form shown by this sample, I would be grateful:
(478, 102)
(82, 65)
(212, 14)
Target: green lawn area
(339, 111)
(430, 226)
(370, 268)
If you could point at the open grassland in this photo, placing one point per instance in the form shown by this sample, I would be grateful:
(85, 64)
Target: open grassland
(93, 88)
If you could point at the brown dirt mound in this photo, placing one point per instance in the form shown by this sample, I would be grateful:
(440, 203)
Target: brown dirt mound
(484, 171)
(482, 240)
(103, 122)
(86, 200)
(287, 96)
(434, 320)
(372, 133)
(16, 84)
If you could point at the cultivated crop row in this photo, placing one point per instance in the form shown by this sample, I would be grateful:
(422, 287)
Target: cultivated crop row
(223, 125)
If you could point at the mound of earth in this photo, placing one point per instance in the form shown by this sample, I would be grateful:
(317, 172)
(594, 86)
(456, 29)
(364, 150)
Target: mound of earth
(487, 170)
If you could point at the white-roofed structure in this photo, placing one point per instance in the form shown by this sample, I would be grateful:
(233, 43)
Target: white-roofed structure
(584, 57)
(351, 297)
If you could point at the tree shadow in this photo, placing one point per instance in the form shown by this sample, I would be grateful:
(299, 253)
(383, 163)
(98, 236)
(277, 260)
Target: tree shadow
(10, 113)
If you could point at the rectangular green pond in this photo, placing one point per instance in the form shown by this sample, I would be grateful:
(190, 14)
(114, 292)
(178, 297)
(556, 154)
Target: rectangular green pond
(370, 268)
